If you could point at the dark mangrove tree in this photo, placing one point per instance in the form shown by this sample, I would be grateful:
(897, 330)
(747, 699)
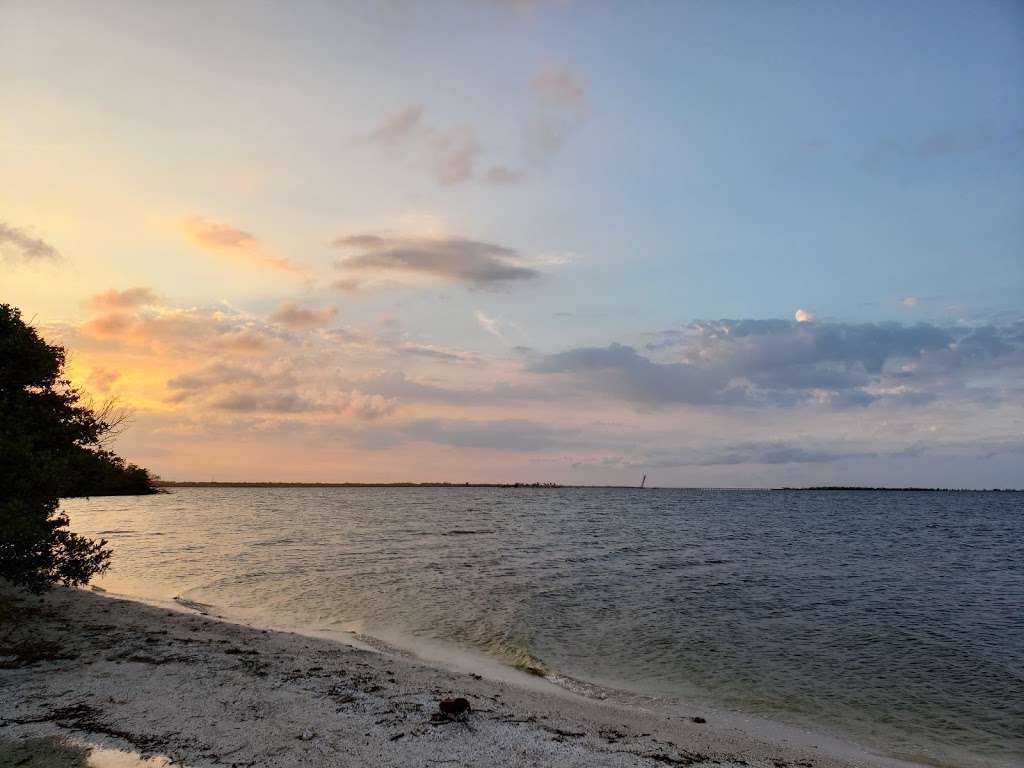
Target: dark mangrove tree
(51, 446)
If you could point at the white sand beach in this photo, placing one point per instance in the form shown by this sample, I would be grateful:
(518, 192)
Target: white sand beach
(200, 691)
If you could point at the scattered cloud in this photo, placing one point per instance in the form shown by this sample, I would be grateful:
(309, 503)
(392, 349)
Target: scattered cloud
(114, 300)
(563, 105)
(957, 141)
(299, 318)
(498, 435)
(489, 324)
(502, 175)
(172, 329)
(269, 402)
(801, 451)
(348, 285)
(787, 363)
(284, 386)
(943, 143)
(397, 386)
(400, 127)
(225, 240)
(620, 371)
(18, 246)
(554, 258)
(559, 85)
(367, 406)
(242, 340)
(471, 262)
(759, 388)
(773, 452)
(455, 154)
(101, 379)
(219, 373)
(217, 236)
(432, 352)
(525, 5)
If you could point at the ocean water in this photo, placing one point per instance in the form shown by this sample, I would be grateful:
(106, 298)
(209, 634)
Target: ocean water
(895, 619)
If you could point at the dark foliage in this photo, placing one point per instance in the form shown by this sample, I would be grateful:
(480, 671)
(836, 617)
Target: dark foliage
(51, 446)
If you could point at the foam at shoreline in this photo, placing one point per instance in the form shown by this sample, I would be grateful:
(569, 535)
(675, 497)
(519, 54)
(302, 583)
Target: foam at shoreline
(453, 658)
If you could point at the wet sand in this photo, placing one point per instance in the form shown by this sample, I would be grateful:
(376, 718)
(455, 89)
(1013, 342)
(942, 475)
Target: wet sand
(201, 691)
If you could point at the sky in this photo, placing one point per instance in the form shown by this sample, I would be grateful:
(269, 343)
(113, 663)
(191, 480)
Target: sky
(720, 244)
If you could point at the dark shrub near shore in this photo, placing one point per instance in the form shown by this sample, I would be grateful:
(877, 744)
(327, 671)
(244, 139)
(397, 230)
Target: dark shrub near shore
(51, 446)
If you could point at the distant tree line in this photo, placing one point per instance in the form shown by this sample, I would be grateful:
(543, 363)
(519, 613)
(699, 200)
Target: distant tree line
(910, 489)
(272, 484)
(52, 445)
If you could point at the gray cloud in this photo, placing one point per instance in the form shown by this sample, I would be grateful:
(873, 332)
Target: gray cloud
(17, 245)
(275, 389)
(503, 435)
(622, 372)
(557, 84)
(299, 318)
(776, 452)
(433, 353)
(401, 126)
(500, 174)
(453, 152)
(218, 374)
(454, 155)
(396, 385)
(563, 106)
(101, 379)
(952, 142)
(798, 451)
(788, 452)
(270, 402)
(115, 300)
(460, 260)
(560, 104)
(780, 362)
(959, 140)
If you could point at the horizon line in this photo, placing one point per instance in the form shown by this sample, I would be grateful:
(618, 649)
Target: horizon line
(160, 483)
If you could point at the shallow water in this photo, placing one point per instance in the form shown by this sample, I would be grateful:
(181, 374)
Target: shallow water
(101, 757)
(895, 618)
(62, 752)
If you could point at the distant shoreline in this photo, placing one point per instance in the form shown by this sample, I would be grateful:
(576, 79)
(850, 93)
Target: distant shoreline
(819, 488)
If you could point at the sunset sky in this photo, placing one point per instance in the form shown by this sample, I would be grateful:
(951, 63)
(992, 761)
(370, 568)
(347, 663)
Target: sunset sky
(729, 243)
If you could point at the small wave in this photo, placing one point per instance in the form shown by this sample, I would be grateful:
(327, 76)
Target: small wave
(518, 657)
(464, 532)
(273, 543)
(194, 605)
(579, 687)
(532, 664)
(110, 533)
(382, 645)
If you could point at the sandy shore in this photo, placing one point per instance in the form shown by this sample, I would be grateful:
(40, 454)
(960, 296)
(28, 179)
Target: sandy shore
(206, 692)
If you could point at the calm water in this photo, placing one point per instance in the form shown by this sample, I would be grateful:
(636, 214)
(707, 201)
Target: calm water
(897, 618)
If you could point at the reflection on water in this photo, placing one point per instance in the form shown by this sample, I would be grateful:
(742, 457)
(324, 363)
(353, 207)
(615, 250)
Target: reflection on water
(896, 617)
